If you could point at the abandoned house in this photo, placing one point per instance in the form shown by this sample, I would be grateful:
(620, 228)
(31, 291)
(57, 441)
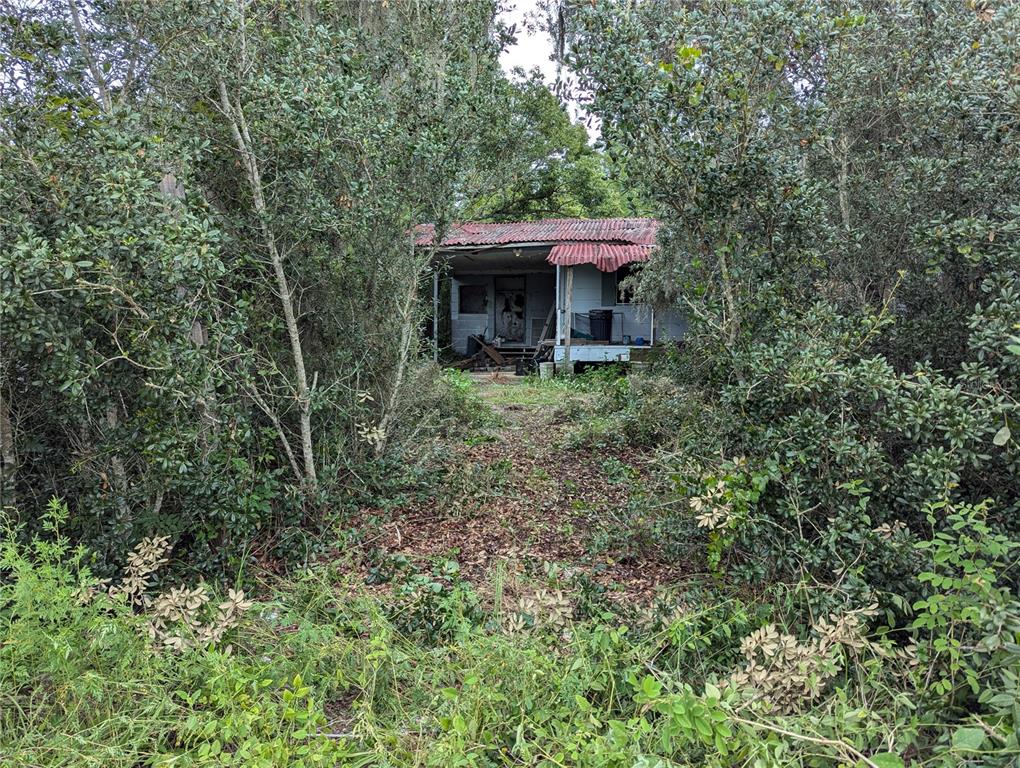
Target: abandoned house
(554, 286)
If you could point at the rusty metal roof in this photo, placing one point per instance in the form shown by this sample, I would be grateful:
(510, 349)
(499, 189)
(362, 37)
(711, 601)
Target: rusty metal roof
(552, 231)
(606, 257)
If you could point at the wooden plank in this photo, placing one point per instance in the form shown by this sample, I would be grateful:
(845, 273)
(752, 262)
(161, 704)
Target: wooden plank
(497, 358)
(548, 322)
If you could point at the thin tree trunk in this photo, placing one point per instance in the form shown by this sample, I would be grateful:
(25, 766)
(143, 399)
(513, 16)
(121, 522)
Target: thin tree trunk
(407, 328)
(731, 320)
(840, 154)
(239, 128)
(275, 420)
(8, 457)
(90, 62)
(844, 173)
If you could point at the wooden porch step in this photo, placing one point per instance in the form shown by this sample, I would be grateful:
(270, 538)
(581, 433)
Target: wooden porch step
(512, 353)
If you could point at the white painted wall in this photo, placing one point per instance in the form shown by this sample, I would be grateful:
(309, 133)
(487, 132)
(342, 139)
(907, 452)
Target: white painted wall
(461, 325)
(540, 289)
(632, 320)
(541, 293)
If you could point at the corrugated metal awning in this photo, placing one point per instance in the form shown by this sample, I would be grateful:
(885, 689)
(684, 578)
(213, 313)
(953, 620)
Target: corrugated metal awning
(605, 256)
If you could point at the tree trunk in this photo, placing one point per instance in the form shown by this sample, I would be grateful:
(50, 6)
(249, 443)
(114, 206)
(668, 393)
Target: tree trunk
(86, 50)
(407, 333)
(844, 173)
(8, 458)
(239, 128)
(731, 318)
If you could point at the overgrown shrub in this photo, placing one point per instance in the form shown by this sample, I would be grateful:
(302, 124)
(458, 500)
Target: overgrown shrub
(844, 240)
(209, 294)
(315, 671)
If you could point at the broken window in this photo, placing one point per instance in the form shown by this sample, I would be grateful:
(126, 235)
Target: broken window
(474, 300)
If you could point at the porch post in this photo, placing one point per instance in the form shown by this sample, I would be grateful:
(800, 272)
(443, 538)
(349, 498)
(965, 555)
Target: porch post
(651, 332)
(569, 327)
(559, 308)
(435, 315)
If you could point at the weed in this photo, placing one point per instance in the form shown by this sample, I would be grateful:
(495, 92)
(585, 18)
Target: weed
(322, 673)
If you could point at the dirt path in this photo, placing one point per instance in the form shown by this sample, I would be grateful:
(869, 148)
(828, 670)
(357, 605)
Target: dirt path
(529, 500)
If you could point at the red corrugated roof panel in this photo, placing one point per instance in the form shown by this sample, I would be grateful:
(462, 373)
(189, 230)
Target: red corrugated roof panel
(554, 231)
(607, 257)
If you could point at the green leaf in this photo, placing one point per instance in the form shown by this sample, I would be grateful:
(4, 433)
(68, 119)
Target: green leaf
(703, 727)
(969, 739)
(651, 687)
(887, 760)
(1002, 436)
(720, 744)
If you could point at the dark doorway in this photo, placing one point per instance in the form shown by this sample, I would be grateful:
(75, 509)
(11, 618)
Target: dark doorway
(510, 309)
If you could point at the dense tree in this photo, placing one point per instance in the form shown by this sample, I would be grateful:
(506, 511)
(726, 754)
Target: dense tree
(841, 190)
(542, 165)
(210, 300)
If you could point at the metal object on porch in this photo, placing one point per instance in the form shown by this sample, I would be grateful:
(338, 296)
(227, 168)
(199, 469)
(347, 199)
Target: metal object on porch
(601, 323)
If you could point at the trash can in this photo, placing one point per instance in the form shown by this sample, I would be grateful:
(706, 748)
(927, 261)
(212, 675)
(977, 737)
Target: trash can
(601, 322)
(545, 370)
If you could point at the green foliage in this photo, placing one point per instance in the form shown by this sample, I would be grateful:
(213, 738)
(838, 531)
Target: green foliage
(435, 606)
(462, 404)
(109, 383)
(237, 720)
(542, 165)
(150, 372)
(724, 500)
(319, 672)
(844, 240)
(970, 619)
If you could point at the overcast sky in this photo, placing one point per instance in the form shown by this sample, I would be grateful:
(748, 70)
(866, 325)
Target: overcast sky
(534, 47)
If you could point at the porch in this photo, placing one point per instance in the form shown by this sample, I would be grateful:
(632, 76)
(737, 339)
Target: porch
(520, 306)
(560, 296)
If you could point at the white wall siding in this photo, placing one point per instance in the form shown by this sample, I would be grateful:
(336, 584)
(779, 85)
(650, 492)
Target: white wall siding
(632, 320)
(461, 325)
(541, 291)
(539, 287)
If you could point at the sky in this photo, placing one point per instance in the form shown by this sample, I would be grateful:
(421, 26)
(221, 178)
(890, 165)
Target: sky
(533, 48)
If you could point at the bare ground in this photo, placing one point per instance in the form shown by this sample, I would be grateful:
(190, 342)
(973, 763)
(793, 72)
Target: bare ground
(527, 497)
